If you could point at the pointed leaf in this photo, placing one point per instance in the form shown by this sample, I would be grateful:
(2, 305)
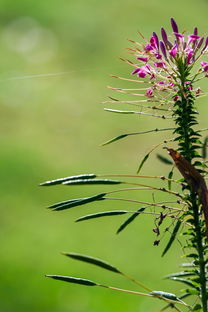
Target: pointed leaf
(102, 214)
(92, 260)
(119, 137)
(172, 237)
(170, 175)
(119, 111)
(77, 202)
(164, 159)
(204, 148)
(61, 180)
(129, 220)
(183, 280)
(92, 181)
(142, 162)
(73, 280)
(180, 274)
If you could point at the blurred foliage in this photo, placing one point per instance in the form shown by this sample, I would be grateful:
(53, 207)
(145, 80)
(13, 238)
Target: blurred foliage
(56, 58)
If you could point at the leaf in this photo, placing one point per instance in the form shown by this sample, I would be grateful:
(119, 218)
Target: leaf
(94, 261)
(204, 148)
(164, 159)
(61, 180)
(119, 111)
(92, 181)
(183, 280)
(73, 280)
(170, 175)
(129, 220)
(180, 274)
(172, 237)
(77, 202)
(102, 214)
(171, 305)
(119, 137)
(142, 162)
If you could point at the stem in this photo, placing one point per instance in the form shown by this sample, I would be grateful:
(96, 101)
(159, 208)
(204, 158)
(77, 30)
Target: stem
(200, 250)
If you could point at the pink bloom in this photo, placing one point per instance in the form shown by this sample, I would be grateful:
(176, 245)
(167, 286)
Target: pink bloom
(143, 59)
(176, 98)
(179, 36)
(149, 93)
(205, 66)
(174, 25)
(158, 56)
(189, 53)
(193, 38)
(148, 47)
(160, 64)
(173, 51)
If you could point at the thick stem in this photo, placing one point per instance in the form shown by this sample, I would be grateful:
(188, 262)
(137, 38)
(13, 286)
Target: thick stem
(200, 250)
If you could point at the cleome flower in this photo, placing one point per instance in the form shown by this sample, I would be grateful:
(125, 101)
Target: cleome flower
(164, 63)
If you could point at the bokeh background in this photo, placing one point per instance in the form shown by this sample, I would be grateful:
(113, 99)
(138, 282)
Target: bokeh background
(55, 61)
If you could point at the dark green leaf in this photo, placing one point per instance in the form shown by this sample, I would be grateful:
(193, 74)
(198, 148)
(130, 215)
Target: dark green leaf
(197, 308)
(115, 139)
(61, 180)
(94, 261)
(164, 159)
(73, 280)
(77, 202)
(92, 181)
(183, 280)
(102, 214)
(180, 274)
(129, 220)
(204, 148)
(170, 175)
(171, 305)
(172, 237)
(142, 162)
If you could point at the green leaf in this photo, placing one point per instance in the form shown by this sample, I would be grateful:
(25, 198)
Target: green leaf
(119, 111)
(170, 175)
(204, 148)
(119, 137)
(171, 305)
(172, 237)
(164, 159)
(73, 280)
(142, 162)
(61, 180)
(183, 280)
(180, 274)
(102, 214)
(77, 202)
(92, 260)
(129, 220)
(197, 308)
(92, 181)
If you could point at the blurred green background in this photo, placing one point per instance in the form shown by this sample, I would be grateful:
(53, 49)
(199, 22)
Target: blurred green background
(51, 126)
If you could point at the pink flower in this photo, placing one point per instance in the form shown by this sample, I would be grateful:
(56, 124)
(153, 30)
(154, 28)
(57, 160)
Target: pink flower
(193, 38)
(205, 66)
(189, 53)
(159, 64)
(143, 59)
(173, 51)
(149, 93)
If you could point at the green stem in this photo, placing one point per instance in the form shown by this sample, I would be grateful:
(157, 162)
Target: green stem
(200, 250)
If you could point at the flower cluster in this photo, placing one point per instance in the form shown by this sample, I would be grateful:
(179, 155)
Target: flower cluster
(165, 61)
